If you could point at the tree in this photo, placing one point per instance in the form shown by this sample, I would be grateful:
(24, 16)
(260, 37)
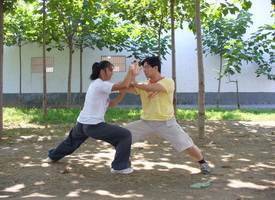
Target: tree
(19, 32)
(218, 33)
(150, 20)
(201, 13)
(1, 63)
(5, 7)
(99, 32)
(172, 5)
(44, 61)
(73, 16)
(154, 20)
(260, 49)
(201, 92)
(83, 39)
(66, 15)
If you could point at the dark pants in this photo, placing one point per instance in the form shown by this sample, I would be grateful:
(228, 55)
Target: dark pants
(117, 136)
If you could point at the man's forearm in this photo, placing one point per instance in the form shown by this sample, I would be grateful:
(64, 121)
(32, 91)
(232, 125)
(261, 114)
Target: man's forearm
(149, 87)
(142, 86)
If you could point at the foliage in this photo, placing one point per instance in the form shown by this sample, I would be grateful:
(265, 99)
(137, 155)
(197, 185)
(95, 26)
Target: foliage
(64, 17)
(144, 30)
(220, 36)
(261, 49)
(146, 46)
(224, 36)
(151, 22)
(19, 32)
(9, 5)
(217, 10)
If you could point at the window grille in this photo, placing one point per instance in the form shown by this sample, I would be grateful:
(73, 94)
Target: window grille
(37, 65)
(119, 62)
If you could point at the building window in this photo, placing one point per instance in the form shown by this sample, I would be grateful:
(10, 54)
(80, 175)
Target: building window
(37, 65)
(119, 62)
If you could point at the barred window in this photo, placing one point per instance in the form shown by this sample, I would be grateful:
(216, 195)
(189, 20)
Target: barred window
(37, 65)
(119, 62)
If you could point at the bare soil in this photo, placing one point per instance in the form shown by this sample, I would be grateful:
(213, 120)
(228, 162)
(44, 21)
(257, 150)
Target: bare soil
(241, 155)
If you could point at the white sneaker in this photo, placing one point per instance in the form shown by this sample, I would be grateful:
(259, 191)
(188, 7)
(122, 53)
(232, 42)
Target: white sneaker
(48, 160)
(122, 171)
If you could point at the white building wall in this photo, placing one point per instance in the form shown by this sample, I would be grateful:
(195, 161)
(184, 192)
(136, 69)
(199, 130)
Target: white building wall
(186, 63)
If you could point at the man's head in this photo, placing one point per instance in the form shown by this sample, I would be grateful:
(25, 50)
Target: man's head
(152, 62)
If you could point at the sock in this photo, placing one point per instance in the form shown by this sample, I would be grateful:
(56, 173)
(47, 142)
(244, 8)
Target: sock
(202, 161)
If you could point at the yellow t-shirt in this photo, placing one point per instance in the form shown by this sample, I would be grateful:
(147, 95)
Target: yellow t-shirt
(158, 106)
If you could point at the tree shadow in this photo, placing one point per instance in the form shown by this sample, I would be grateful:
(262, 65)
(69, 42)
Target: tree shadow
(241, 155)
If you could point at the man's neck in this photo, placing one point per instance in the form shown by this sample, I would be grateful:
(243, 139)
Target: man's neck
(156, 78)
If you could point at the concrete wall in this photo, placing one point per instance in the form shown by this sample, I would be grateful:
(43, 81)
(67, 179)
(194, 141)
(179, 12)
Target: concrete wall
(252, 90)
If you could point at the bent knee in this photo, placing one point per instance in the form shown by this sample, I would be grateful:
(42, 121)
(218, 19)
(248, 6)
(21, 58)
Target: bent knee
(127, 133)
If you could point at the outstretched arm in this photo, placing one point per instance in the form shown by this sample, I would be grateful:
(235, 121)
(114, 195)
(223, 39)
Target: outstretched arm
(133, 71)
(155, 87)
(116, 101)
(132, 89)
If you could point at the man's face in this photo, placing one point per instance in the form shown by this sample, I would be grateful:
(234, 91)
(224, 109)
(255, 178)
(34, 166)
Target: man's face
(148, 70)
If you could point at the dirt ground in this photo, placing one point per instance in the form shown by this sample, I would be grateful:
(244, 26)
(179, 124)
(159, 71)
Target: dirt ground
(241, 155)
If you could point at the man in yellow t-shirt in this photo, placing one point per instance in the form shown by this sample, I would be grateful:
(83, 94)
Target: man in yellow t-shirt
(158, 112)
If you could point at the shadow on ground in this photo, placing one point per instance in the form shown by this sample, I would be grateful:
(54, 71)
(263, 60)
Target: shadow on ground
(241, 155)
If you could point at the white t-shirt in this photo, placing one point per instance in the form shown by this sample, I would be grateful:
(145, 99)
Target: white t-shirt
(96, 102)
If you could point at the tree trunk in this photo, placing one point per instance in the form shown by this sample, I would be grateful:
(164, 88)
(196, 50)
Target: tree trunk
(69, 99)
(44, 62)
(219, 84)
(201, 95)
(20, 73)
(1, 64)
(159, 49)
(172, 2)
(237, 91)
(81, 77)
(238, 97)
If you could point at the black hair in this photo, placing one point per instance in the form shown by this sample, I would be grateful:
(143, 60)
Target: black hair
(99, 66)
(153, 61)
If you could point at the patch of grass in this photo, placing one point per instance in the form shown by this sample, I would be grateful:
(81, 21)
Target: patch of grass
(30, 121)
(113, 115)
(35, 115)
(122, 115)
(240, 115)
(187, 114)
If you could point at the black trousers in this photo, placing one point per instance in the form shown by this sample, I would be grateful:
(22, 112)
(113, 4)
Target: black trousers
(117, 136)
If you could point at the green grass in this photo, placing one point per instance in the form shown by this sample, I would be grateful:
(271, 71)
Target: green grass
(35, 115)
(58, 116)
(30, 121)
(240, 115)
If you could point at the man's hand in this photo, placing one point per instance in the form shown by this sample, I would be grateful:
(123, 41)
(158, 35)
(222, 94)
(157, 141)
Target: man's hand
(136, 69)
